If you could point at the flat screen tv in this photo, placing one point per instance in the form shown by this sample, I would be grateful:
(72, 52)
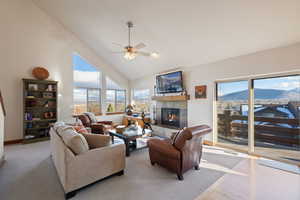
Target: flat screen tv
(169, 83)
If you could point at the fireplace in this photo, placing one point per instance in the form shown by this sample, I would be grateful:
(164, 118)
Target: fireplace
(170, 117)
(171, 114)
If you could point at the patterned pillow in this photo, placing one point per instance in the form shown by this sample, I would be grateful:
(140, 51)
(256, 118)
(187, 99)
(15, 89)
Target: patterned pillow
(80, 129)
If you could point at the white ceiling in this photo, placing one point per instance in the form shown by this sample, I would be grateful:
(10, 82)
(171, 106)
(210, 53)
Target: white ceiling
(185, 33)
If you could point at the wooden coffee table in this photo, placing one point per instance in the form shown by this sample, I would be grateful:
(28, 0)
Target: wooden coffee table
(130, 138)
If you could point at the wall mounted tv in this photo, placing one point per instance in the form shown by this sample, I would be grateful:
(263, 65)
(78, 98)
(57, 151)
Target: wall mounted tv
(169, 83)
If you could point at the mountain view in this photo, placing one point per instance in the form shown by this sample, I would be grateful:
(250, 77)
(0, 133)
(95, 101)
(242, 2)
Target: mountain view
(293, 95)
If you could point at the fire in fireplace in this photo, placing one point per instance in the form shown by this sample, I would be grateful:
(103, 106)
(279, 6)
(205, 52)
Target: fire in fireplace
(170, 117)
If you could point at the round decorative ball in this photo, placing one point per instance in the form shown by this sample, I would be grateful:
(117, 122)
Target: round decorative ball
(40, 73)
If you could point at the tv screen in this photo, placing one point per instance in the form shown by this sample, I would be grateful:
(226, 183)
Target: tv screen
(169, 83)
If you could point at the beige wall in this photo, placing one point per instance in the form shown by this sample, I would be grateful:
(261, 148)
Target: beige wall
(265, 62)
(1, 135)
(29, 37)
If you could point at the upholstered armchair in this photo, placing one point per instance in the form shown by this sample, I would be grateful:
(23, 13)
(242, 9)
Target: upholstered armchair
(180, 153)
(97, 127)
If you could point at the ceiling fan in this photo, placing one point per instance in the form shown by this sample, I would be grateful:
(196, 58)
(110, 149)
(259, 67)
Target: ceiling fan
(131, 52)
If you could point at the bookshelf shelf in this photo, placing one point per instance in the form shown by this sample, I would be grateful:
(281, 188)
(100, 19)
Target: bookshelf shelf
(40, 109)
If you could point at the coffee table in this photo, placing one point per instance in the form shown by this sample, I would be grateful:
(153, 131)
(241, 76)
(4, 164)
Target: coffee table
(130, 139)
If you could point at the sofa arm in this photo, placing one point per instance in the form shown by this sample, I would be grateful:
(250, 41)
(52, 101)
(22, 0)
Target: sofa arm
(94, 165)
(105, 122)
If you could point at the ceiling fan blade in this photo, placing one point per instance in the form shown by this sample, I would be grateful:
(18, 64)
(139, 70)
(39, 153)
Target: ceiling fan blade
(118, 44)
(144, 53)
(139, 46)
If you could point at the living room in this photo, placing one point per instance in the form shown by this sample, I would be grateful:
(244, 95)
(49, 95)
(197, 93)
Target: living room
(139, 77)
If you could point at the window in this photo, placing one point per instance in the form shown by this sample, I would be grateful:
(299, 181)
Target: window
(115, 97)
(87, 87)
(141, 100)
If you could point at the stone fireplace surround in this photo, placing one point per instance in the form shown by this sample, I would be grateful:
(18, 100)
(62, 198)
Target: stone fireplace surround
(181, 105)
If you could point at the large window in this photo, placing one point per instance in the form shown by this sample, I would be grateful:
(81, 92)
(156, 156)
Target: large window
(115, 97)
(87, 87)
(141, 100)
(261, 115)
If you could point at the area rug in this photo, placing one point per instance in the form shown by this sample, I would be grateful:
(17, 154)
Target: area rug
(30, 174)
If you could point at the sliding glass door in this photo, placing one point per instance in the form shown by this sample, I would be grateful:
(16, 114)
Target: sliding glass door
(232, 113)
(276, 128)
(260, 115)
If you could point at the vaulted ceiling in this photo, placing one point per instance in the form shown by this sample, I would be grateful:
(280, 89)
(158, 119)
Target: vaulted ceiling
(185, 33)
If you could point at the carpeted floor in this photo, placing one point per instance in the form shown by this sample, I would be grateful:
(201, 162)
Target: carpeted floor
(29, 174)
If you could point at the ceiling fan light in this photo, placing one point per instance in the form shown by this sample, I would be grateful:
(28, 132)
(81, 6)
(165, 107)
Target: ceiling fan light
(154, 55)
(129, 55)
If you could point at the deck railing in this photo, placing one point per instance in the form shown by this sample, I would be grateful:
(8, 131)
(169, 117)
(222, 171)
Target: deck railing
(273, 130)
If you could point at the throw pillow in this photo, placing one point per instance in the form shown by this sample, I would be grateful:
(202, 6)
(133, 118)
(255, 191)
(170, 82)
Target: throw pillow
(57, 125)
(80, 129)
(91, 116)
(76, 142)
(96, 140)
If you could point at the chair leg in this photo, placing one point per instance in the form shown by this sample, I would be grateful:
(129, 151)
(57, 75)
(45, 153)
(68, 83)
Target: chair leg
(70, 194)
(180, 177)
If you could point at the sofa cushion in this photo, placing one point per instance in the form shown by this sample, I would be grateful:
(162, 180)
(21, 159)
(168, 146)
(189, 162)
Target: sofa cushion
(91, 116)
(76, 142)
(96, 140)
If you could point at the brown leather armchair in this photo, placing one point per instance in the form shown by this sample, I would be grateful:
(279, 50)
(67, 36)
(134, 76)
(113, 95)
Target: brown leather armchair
(99, 127)
(180, 153)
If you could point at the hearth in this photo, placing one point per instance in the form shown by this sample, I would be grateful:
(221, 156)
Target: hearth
(170, 117)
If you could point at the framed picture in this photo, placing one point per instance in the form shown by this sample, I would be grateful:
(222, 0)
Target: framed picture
(200, 92)
(32, 86)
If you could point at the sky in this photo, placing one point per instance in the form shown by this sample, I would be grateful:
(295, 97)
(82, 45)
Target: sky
(81, 65)
(280, 83)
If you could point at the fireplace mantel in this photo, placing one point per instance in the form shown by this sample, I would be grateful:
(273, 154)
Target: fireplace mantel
(171, 98)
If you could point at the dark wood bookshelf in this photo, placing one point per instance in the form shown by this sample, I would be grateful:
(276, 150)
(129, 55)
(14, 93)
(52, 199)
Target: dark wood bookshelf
(40, 109)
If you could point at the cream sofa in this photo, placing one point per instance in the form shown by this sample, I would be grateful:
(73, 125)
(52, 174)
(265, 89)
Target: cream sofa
(77, 171)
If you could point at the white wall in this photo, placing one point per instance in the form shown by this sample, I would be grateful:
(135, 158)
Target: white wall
(29, 38)
(265, 62)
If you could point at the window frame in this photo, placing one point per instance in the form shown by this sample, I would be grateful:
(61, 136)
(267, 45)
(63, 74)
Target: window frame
(115, 101)
(87, 99)
(100, 76)
(149, 97)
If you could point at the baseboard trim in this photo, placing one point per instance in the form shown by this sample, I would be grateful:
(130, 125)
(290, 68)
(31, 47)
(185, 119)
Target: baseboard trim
(10, 142)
